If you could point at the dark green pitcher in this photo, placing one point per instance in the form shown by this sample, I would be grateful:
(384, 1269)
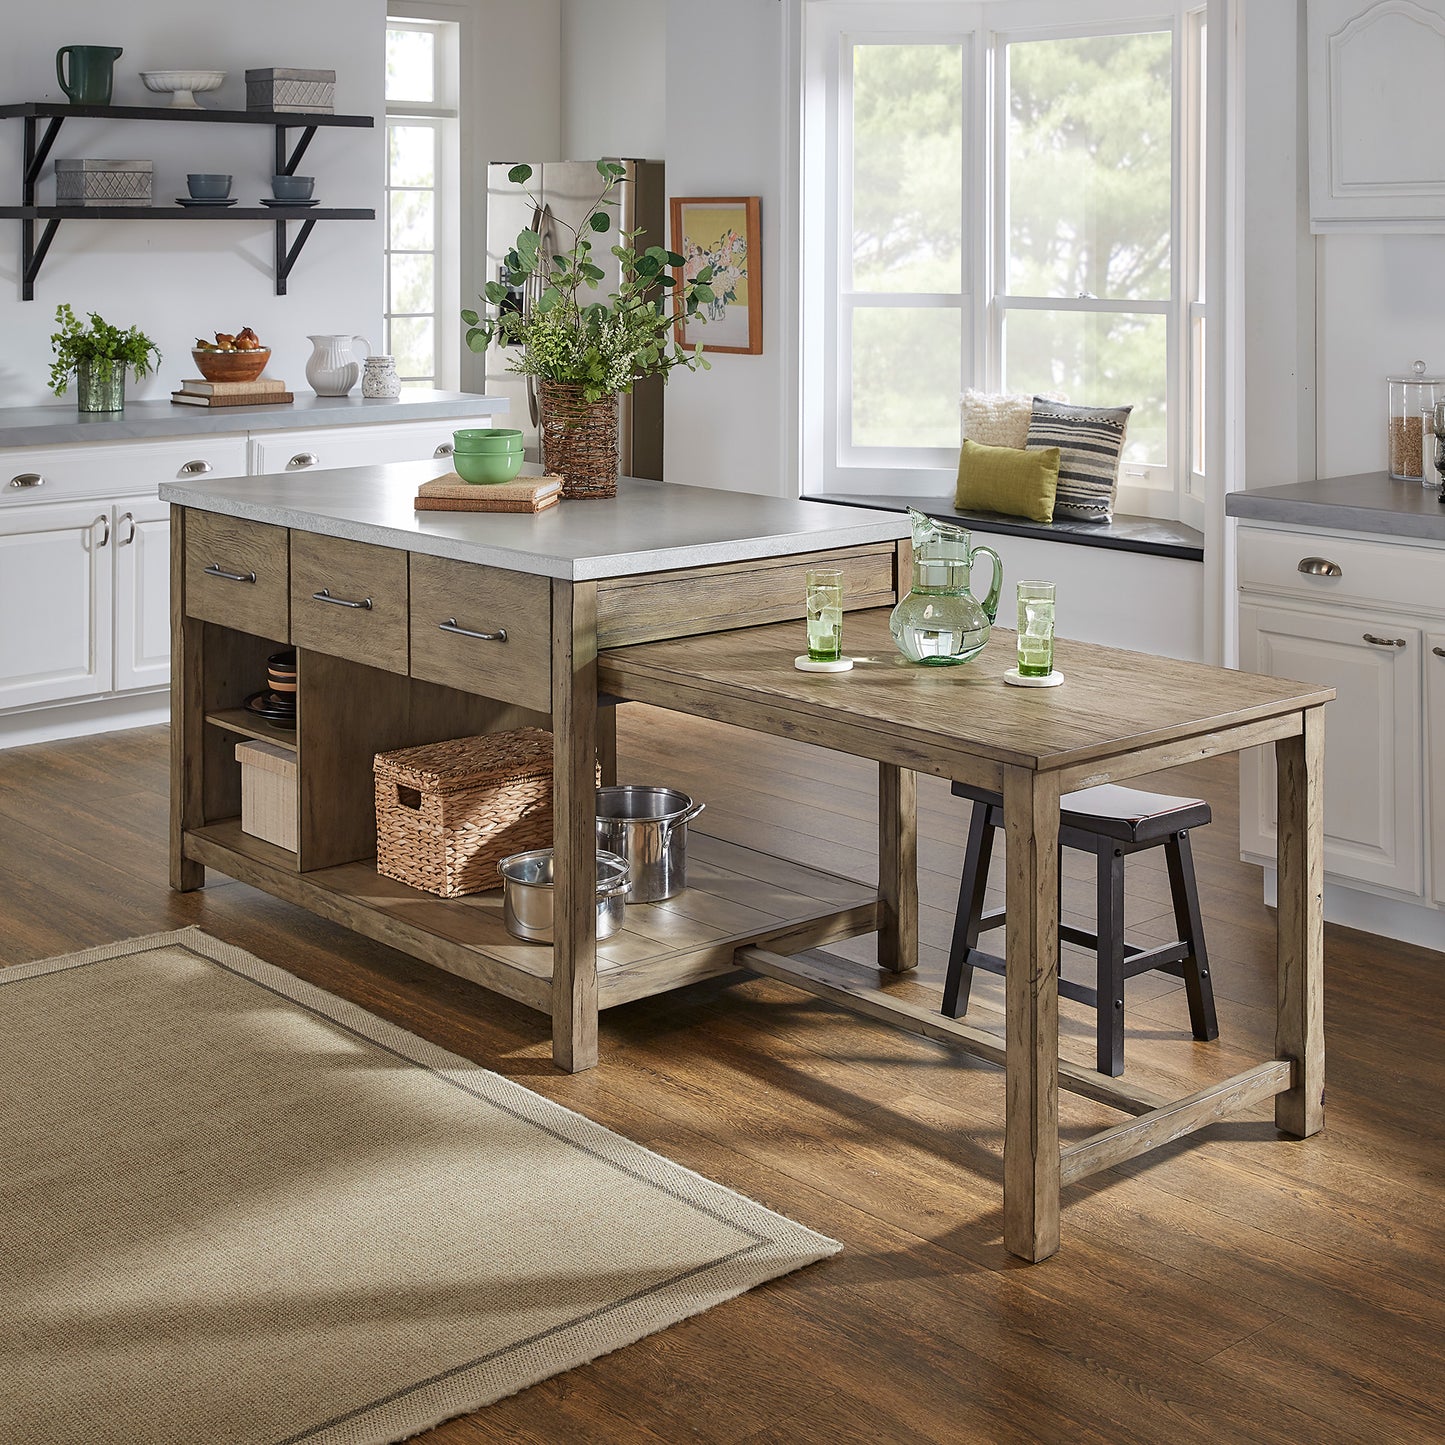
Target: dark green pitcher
(91, 72)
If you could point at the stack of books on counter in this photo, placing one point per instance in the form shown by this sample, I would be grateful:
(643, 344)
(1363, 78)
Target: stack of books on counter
(264, 391)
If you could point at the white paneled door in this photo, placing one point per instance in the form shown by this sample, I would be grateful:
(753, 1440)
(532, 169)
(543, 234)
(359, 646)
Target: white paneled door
(142, 595)
(55, 599)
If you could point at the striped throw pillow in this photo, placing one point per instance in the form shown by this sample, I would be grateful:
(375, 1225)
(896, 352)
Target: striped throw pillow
(1090, 440)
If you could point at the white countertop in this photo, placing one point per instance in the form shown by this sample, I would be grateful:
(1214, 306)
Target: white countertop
(60, 424)
(648, 527)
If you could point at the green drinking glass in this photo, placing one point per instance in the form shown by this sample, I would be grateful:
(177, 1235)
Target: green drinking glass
(1036, 628)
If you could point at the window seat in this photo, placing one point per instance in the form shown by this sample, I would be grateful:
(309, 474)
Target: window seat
(1151, 535)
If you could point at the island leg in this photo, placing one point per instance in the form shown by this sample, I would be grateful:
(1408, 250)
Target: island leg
(897, 868)
(1031, 1129)
(187, 718)
(1299, 1032)
(574, 893)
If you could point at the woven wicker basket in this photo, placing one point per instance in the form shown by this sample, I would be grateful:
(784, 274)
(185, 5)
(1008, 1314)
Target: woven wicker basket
(579, 440)
(448, 813)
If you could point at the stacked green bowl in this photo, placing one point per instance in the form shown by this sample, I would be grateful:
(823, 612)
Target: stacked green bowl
(487, 455)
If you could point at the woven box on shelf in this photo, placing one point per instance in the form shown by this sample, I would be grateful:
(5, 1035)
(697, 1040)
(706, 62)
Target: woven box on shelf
(282, 87)
(448, 813)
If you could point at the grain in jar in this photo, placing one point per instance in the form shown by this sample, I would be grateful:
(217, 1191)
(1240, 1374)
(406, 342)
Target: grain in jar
(1411, 397)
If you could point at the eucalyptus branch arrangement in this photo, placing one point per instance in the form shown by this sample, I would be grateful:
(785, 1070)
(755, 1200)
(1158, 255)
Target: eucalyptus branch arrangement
(601, 345)
(102, 345)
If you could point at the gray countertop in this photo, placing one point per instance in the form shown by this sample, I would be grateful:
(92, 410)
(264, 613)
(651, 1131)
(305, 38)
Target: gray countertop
(60, 424)
(1369, 503)
(648, 527)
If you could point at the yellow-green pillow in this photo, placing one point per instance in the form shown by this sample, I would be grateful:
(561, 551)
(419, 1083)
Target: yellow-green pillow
(1017, 483)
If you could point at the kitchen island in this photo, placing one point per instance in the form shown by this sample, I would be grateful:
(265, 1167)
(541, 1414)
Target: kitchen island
(687, 599)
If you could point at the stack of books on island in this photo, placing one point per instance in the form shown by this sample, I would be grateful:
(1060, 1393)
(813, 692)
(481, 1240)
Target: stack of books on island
(264, 391)
(527, 494)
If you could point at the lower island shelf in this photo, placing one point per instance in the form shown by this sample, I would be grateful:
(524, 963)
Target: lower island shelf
(735, 898)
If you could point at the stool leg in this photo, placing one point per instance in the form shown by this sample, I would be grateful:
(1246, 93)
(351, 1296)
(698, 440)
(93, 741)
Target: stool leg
(1198, 986)
(971, 890)
(1109, 1048)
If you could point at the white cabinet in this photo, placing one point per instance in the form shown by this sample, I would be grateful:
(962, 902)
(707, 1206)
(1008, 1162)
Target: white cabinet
(359, 446)
(142, 540)
(1375, 71)
(1372, 736)
(1435, 758)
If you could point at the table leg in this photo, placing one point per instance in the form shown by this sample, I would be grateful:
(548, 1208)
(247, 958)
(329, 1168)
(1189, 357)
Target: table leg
(897, 868)
(187, 717)
(1299, 1032)
(574, 833)
(1031, 1130)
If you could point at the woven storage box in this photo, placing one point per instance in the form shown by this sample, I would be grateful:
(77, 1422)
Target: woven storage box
(280, 87)
(102, 183)
(448, 813)
(268, 792)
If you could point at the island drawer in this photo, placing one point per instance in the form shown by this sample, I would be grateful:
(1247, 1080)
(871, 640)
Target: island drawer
(482, 630)
(1326, 565)
(349, 599)
(236, 574)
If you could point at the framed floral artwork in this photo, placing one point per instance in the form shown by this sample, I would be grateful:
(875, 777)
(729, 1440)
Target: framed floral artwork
(723, 232)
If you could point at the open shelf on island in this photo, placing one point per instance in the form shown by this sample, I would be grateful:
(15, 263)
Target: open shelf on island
(735, 897)
(247, 725)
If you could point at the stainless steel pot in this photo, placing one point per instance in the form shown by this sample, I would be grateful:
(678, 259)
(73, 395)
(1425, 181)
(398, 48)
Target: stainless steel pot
(648, 827)
(527, 887)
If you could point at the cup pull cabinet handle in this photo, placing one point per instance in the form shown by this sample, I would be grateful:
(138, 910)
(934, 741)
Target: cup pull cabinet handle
(195, 469)
(28, 479)
(1383, 641)
(214, 569)
(444, 449)
(301, 461)
(129, 537)
(1320, 567)
(451, 625)
(102, 521)
(325, 596)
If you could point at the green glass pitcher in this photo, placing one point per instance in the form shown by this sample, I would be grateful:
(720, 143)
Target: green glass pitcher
(91, 72)
(941, 622)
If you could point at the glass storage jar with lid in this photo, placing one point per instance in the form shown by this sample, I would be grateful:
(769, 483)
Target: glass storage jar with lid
(1412, 402)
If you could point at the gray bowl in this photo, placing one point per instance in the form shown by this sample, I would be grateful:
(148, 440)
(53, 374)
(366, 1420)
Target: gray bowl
(207, 186)
(293, 188)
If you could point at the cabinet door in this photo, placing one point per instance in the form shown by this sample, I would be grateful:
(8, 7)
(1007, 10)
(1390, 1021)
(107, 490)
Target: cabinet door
(142, 595)
(357, 446)
(1435, 758)
(1373, 768)
(55, 597)
(1374, 79)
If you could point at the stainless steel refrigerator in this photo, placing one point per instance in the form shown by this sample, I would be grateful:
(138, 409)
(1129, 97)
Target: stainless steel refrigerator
(565, 192)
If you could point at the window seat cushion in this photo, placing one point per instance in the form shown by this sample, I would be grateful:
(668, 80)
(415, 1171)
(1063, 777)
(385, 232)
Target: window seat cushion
(1125, 533)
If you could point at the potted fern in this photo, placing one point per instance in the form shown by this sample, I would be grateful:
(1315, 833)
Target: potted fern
(586, 349)
(98, 357)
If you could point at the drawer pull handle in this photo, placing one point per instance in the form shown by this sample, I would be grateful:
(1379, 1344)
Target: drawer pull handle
(1384, 641)
(325, 596)
(1438, 651)
(129, 537)
(1320, 567)
(28, 479)
(444, 449)
(102, 521)
(451, 625)
(302, 460)
(195, 469)
(214, 569)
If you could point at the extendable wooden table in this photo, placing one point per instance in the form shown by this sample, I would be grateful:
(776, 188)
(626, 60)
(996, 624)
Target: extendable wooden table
(1117, 715)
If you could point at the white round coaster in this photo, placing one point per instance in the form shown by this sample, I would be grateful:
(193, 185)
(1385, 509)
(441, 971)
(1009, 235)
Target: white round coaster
(806, 664)
(1013, 678)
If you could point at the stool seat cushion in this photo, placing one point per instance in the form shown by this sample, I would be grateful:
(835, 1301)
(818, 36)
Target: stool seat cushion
(1112, 811)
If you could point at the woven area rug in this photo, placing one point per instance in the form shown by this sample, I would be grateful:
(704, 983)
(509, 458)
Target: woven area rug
(234, 1208)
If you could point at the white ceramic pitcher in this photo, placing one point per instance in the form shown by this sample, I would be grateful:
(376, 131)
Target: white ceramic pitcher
(331, 369)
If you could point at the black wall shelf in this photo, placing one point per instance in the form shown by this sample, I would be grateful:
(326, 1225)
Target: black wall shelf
(34, 242)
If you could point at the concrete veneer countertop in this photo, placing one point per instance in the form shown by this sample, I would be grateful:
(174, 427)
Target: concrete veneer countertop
(1370, 504)
(60, 424)
(648, 527)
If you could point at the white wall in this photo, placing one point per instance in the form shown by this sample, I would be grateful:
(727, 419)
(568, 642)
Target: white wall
(614, 58)
(177, 280)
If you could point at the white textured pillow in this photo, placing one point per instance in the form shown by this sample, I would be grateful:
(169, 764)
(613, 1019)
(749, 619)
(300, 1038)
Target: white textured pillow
(998, 419)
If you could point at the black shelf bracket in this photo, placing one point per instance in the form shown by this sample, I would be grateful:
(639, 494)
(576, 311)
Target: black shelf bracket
(286, 165)
(35, 154)
(32, 254)
(286, 259)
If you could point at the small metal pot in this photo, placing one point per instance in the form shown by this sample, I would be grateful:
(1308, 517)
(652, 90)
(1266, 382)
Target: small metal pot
(648, 827)
(527, 882)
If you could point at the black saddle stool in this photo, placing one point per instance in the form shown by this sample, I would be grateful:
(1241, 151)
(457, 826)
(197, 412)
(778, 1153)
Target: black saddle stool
(1111, 823)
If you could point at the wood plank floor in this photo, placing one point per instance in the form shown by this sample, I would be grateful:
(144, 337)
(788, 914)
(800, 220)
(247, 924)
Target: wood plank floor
(1236, 1287)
